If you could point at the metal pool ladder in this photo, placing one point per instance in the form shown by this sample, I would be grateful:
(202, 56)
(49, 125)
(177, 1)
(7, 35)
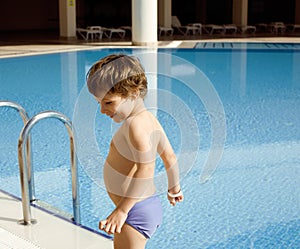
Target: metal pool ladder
(25, 183)
(25, 118)
(24, 157)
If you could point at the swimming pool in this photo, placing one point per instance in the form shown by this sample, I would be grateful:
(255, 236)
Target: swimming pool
(253, 197)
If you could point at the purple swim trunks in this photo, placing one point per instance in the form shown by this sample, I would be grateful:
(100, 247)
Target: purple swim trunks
(146, 216)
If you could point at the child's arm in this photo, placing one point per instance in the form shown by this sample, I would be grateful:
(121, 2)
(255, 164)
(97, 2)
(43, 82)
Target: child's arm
(171, 165)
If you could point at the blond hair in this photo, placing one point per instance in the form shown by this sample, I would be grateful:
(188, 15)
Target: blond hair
(117, 74)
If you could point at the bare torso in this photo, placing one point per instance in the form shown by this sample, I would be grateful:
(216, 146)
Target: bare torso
(123, 158)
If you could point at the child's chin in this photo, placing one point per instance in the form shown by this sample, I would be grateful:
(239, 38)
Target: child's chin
(117, 119)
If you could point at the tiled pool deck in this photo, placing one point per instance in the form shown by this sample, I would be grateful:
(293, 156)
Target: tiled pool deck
(7, 49)
(50, 232)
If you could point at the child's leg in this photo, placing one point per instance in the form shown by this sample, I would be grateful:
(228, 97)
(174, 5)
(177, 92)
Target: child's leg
(129, 238)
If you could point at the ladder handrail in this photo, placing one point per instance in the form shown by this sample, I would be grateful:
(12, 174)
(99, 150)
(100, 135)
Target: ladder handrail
(25, 118)
(24, 171)
(17, 107)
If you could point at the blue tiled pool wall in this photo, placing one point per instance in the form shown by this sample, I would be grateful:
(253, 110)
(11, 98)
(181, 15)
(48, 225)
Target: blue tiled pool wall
(248, 45)
(251, 202)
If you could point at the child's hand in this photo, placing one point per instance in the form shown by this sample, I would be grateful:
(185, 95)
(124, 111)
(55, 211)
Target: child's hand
(175, 197)
(114, 222)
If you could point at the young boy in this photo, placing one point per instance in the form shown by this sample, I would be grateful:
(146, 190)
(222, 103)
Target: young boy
(119, 84)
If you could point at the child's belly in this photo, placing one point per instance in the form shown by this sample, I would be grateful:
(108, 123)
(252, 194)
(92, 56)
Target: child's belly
(115, 182)
(119, 185)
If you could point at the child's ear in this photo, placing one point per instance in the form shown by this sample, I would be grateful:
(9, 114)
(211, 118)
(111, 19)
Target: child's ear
(135, 94)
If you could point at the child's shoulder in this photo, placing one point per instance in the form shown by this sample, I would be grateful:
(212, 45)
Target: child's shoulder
(142, 119)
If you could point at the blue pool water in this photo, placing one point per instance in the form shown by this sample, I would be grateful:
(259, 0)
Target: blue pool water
(252, 199)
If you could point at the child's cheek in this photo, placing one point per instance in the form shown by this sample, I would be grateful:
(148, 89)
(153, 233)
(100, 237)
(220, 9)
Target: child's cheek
(124, 110)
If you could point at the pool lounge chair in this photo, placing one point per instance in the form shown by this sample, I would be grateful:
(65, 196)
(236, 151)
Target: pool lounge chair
(165, 30)
(185, 30)
(198, 25)
(212, 28)
(108, 32)
(230, 28)
(276, 27)
(247, 29)
(87, 33)
(128, 29)
(293, 27)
